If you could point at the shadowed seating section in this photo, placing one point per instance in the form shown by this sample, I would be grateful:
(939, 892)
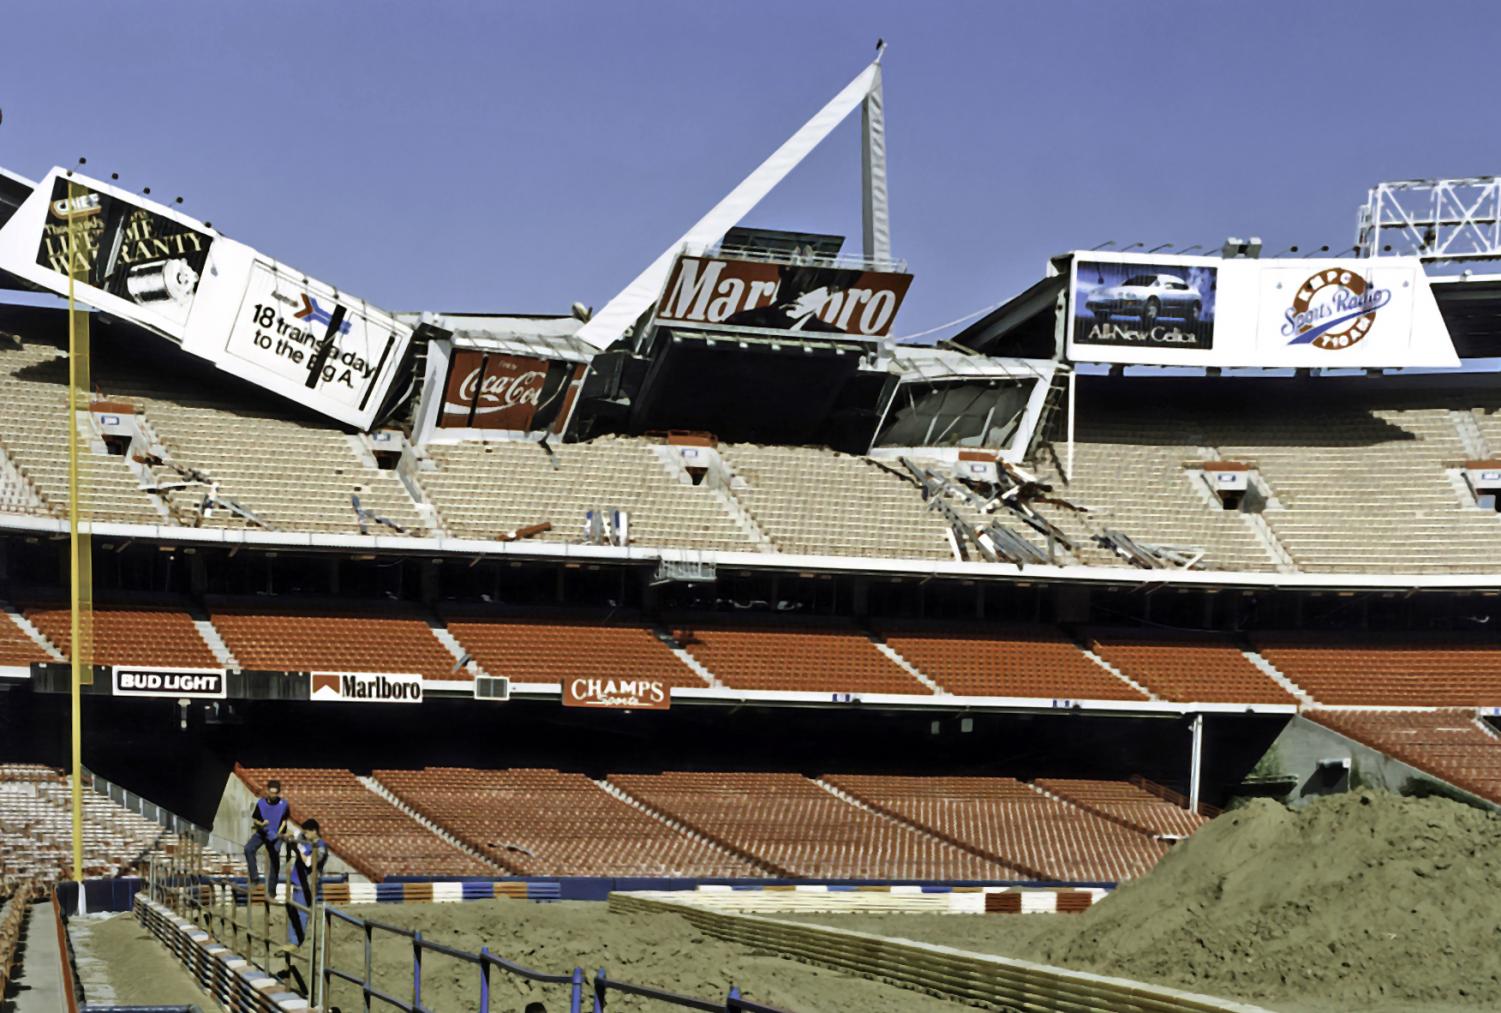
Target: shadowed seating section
(360, 639)
(1188, 668)
(131, 635)
(36, 830)
(364, 829)
(549, 823)
(991, 661)
(1389, 670)
(799, 658)
(16, 648)
(794, 827)
(551, 650)
(1013, 823)
(1456, 746)
(1125, 803)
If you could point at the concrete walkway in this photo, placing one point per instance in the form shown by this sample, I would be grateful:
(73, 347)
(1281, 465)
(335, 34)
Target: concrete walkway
(39, 981)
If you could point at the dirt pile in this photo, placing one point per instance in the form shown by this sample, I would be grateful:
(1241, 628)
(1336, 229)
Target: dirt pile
(1366, 901)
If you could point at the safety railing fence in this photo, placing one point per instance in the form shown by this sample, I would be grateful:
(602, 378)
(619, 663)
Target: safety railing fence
(250, 921)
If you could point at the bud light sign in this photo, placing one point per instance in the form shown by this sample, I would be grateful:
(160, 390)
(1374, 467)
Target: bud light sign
(169, 683)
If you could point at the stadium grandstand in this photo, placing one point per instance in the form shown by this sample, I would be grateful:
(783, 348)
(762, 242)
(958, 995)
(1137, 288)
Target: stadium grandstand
(670, 593)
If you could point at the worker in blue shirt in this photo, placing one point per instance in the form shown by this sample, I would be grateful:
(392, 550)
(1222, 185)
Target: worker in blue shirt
(268, 820)
(307, 851)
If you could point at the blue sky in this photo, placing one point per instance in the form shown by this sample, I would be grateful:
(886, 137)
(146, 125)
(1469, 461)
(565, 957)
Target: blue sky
(515, 158)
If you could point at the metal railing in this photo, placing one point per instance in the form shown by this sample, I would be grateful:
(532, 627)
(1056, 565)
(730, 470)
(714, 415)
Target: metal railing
(245, 918)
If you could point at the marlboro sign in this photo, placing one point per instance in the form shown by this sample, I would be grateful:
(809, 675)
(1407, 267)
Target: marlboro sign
(784, 297)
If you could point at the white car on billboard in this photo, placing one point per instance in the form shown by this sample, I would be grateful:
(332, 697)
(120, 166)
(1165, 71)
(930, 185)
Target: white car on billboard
(1147, 296)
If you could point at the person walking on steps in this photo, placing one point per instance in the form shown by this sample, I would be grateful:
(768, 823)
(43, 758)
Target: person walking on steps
(268, 819)
(308, 854)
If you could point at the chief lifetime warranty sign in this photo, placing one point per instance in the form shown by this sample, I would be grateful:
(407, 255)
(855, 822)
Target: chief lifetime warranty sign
(170, 683)
(365, 687)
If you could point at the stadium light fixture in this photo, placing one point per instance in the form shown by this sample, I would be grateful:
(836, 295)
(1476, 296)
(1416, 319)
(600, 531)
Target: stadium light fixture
(1131, 247)
(1195, 246)
(1101, 246)
(1159, 246)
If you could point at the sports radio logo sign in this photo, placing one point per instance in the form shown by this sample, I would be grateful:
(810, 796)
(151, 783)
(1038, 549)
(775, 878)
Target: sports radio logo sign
(1333, 310)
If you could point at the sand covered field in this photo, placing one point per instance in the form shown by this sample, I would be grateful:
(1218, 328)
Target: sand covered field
(1366, 901)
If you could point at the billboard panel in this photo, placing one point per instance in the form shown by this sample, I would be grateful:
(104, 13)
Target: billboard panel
(494, 390)
(295, 334)
(783, 297)
(152, 266)
(152, 261)
(1276, 313)
(1144, 305)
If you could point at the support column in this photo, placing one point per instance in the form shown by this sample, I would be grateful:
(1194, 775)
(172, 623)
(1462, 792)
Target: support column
(1072, 385)
(1195, 760)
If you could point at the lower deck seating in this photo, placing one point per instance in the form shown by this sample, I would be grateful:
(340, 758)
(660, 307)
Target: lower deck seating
(989, 661)
(1381, 670)
(800, 658)
(1451, 745)
(131, 635)
(364, 829)
(551, 650)
(1012, 823)
(793, 827)
(1188, 668)
(550, 823)
(359, 639)
(36, 830)
(1125, 803)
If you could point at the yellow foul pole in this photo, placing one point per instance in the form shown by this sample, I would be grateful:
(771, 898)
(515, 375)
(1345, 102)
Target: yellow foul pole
(76, 653)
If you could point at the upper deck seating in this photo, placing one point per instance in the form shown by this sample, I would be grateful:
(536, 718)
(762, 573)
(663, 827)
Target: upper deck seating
(1378, 669)
(1453, 745)
(16, 648)
(1013, 823)
(550, 823)
(795, 657)
(975, 660)
(812, 501)
(551, 649)
(482, 490)
(795, 828)
(313, 638)
(364, 829)
(1186, 667)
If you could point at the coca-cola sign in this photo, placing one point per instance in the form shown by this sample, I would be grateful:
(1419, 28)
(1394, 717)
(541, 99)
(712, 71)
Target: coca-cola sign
(782, 297)
(492, 390)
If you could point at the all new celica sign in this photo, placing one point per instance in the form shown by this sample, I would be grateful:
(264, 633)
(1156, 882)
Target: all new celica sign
(170, 683)
(366, 687)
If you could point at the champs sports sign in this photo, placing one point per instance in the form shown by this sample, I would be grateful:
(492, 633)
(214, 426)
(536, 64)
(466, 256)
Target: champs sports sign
(783, 297)
(621, 694)
(365, 687)
(494, 390)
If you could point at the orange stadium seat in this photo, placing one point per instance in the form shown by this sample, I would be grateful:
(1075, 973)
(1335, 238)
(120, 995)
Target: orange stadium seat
(131, 635)
(549, 649)
(801, 658)
(1453, 745)
(793, 827)
(550, 823)
(972, 660)
(1389, 669)
(364, 829)
(1188, 668)
(360, 639)
(1003, 818)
